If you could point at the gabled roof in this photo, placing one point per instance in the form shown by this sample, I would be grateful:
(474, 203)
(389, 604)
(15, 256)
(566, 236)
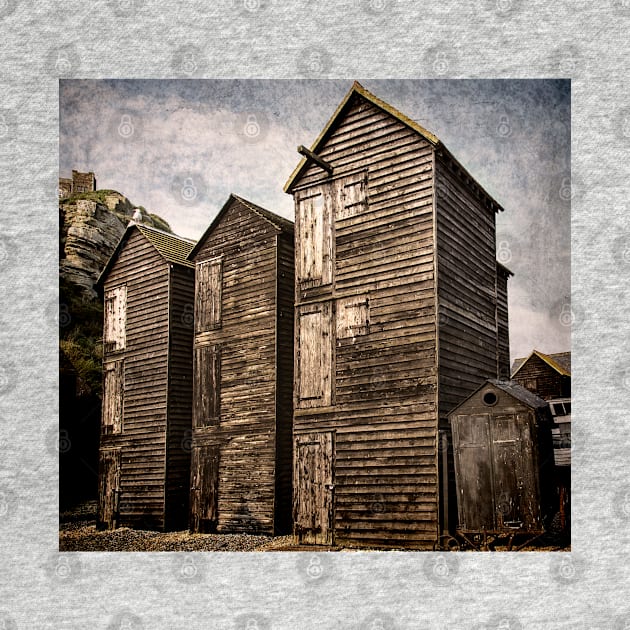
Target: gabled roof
(358, 89)
(512, 388)
(172, 248)
(560, 362)
(504, 269)
(279, 223)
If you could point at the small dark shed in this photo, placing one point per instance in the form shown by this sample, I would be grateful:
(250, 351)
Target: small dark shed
(547, 375)
(243, 372)
(148, 287)
(503, 461)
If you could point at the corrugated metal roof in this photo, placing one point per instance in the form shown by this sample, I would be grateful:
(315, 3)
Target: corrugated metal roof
(172, 248)
(560, 362)
(357, 88)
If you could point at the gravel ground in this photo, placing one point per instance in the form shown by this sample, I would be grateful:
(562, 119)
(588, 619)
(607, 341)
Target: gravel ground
(77, 532)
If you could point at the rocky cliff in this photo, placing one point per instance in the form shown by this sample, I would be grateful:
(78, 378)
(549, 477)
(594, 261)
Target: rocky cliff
(90, 226)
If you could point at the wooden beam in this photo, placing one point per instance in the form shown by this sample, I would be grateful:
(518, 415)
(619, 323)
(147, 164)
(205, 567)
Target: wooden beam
(309, 155)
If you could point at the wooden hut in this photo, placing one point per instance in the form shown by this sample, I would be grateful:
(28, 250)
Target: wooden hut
(148, 288)
(503, 463)
(401, 312)
(243, 372)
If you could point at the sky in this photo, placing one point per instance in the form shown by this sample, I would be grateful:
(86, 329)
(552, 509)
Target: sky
(180, 147)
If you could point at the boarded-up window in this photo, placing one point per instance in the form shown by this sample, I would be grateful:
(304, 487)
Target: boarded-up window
(113, 396)
(208, 288)
(314, 256)
(115, 308)
(352, 198)
(207, 375)
(315, 356)
(353, 316)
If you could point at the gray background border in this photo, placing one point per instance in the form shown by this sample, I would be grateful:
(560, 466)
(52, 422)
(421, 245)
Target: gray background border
(262, 38)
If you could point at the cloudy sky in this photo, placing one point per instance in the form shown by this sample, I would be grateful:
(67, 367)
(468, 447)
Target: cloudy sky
(180, 147)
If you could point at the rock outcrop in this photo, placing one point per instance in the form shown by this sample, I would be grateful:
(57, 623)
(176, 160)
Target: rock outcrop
(90, 226)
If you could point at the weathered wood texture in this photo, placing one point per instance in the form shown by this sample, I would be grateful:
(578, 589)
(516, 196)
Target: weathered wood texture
(502, 463)
(366, 333)
(503, 331)
(155, 393)
(109, 488)
(243, 376)
(540, 378)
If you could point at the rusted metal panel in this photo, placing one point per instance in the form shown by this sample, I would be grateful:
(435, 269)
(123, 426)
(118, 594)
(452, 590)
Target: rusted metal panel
(109, 488)
(313, 510)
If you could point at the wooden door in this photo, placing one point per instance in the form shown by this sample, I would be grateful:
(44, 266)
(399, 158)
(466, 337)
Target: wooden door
(313, 504)
(473, 473)
(204, 473)
(108, 488)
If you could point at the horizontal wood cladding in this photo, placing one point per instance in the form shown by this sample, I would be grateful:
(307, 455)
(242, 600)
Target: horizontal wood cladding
(540, 378)
(503, 341)
(381, 304)
(154, 469)
(254, 343)
(467, 288)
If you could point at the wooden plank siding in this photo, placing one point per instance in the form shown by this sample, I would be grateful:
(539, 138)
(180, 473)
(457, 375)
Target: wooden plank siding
(252, 400)
(383, 401)
(539, 377)
(503, 331)
(156, 397)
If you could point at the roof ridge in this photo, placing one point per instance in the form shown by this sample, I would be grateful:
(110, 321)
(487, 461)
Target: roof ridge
(154, 229)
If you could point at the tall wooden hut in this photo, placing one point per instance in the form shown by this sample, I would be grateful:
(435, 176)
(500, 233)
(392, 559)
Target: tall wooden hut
(401, 312)
(148, 288)
(243, 372)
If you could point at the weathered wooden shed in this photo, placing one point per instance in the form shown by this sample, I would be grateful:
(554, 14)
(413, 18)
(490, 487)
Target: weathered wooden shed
(401, 312)
(547, 375)
(243, 372)
(148, 288)
(503, 462)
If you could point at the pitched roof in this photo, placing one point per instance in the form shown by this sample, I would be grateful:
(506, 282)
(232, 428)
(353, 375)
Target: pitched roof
(279, 223)
(560, 362)
(358, 89)
(512, 388)
(172, 248)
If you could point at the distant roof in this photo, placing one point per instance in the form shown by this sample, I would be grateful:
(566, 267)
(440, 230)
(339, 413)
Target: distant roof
(278, 222)
(171, 247)
(357, 88)
(512, 388)
(560, 362)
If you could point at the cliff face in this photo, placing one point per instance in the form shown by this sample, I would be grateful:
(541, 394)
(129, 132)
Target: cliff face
(90, 226)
